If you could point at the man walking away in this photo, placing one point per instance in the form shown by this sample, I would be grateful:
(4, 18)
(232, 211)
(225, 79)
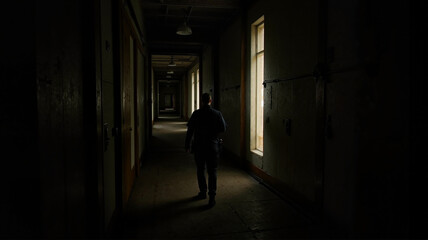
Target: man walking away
(203, 128)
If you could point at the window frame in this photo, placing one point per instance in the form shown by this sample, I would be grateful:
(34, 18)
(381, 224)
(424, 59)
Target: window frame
(192, 100)
(197, 88)
(257, 78)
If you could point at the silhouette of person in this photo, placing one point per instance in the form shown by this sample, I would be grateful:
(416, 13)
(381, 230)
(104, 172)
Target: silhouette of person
(203, 129)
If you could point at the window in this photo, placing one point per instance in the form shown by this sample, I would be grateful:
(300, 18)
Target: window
(193, 92)
(197, 88)
(257, 78)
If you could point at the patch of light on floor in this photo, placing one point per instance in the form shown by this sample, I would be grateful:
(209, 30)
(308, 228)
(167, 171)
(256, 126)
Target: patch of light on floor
(178, 130)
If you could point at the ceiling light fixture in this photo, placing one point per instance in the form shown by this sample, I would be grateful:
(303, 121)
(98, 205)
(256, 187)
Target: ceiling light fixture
(184, 29)
(172, 63)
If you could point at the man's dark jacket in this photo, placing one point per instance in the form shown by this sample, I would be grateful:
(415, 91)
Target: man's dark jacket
(204, 125)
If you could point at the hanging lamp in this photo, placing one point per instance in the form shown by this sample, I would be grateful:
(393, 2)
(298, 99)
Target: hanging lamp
(172, 63)
(184, 29)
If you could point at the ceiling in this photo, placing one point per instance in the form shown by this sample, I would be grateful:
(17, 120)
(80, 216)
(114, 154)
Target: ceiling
(206, 18)
(182, 64)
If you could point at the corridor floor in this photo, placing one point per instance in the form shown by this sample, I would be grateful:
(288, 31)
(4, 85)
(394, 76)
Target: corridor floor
(161, 204)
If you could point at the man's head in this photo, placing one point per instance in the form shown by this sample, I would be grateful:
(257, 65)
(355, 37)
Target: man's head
(206, 99)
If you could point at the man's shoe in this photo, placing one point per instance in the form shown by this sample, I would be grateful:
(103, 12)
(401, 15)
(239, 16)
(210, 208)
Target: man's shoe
(201, 196)
(211, 202)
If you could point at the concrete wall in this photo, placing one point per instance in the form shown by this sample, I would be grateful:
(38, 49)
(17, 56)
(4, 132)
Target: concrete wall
(63, 67)
(54, 63)
(343, 92)
(207, 71)
(362, 53)
(46, 75)
(230, 85)
(291, 54)
(367, 99)
(383, 97)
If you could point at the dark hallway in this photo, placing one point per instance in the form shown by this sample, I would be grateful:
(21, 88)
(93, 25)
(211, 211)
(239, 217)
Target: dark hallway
(325, 103)
(161, 205)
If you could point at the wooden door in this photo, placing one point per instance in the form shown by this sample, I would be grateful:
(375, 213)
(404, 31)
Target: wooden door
(109, 111)
(128, 137)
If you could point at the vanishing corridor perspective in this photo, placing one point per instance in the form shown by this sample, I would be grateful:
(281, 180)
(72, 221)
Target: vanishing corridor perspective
(324, 100)
(162, 204)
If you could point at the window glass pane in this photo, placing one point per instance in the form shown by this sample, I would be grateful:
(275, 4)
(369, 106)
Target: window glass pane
(197, 89)
(260, 101)
(260, 37)
(193, 92)
(257, 89)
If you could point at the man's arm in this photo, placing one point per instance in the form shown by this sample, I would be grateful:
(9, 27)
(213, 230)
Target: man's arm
(222, 123)
(189, 134)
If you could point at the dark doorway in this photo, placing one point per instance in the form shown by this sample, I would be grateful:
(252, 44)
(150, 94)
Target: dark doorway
(169, 98)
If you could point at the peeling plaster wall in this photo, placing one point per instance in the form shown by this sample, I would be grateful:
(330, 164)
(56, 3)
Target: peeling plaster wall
(367, 159)
(61, 74)
(291, 52)
(50, 113)
(366, 50)
(207, 73)
(230, 85)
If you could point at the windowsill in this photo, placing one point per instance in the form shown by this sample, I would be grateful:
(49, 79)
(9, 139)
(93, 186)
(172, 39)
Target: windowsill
(257, 152)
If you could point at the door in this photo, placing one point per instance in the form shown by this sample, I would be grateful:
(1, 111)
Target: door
(108, 110)
(128, 111)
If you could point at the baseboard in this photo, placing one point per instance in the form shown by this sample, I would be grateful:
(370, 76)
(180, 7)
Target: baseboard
(296, 200)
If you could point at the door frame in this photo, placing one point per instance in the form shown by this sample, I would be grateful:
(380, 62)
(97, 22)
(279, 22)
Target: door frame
(128, 174)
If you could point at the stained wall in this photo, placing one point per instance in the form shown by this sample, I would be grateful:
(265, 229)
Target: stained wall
(341, 73)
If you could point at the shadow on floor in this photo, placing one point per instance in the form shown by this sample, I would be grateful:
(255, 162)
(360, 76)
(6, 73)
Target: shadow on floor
(162, 204)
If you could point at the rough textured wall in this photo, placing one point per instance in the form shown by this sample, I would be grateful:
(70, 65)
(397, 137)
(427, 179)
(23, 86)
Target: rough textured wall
(367, 107)
(366, 56)
(137, 16)
(291, 54)
(230, 85)
(207, 74)
(383, 100)
(342, 94)
(60, 77)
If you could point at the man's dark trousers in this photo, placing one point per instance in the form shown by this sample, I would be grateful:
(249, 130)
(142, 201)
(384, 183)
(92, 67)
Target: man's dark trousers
(210, 162)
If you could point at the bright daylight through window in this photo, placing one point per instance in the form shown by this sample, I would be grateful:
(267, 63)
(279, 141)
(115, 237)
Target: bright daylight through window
(257, 78)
